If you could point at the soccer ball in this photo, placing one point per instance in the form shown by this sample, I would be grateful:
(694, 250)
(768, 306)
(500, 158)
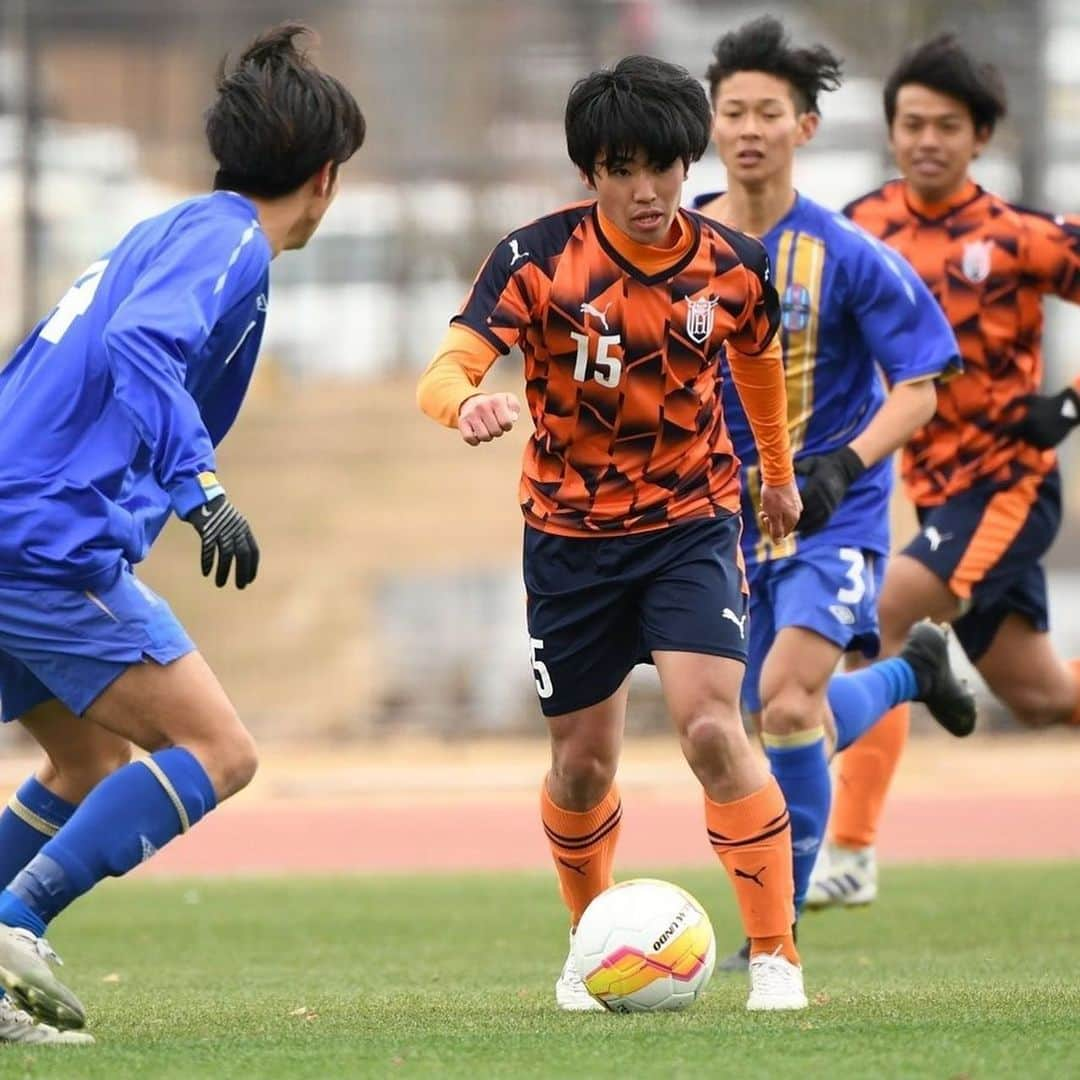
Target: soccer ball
(645, 946)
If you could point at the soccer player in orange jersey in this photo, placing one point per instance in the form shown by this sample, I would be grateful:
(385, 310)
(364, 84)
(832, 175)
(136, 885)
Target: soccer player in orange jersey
(983, 472)
(630, 487)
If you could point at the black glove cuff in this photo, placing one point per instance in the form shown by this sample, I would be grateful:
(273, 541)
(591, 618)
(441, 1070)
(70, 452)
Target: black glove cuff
(851, 463)
(1071, 393)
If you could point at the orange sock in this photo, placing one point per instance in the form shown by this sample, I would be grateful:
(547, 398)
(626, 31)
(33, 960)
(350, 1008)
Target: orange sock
(752, 836)
(583, 847)
(866, 770)
(1074, 667)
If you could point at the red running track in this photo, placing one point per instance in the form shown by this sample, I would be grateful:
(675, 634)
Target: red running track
(500, 834)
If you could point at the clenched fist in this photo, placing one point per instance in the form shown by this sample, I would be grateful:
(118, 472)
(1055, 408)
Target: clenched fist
(487, 416)
(780, 510)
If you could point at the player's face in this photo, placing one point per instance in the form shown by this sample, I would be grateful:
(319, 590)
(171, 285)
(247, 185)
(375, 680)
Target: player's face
(640, 198)
(757, 127)
(934, 141)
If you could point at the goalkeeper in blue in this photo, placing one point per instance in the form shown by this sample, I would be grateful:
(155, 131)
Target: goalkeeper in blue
(109, 414)
(851, 312)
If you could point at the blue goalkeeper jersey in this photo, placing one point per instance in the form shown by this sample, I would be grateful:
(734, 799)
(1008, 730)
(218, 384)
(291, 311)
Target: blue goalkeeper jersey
(852, 311)
(110, 410)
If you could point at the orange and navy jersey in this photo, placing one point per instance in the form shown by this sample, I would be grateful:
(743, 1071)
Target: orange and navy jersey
(988, 264)
(622, 366)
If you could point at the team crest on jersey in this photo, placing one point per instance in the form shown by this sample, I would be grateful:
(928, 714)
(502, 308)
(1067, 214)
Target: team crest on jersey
(700, 316)
(976, 261)
(795, 308)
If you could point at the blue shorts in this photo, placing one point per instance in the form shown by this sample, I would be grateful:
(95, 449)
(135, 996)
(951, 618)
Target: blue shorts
(73, 643)
(986, 545)
(831, 591)
(597, 607)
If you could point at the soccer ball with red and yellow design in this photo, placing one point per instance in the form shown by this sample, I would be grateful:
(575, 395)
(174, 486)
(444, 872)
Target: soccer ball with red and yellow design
(645, 946)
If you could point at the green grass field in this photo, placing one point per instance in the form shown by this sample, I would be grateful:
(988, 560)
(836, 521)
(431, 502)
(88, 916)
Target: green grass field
(957, 972)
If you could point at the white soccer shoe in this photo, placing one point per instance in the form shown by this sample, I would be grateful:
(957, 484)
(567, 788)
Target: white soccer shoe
(776, 984)
(27, 977)
(843, 877)
(18, 1026)
(570, 992)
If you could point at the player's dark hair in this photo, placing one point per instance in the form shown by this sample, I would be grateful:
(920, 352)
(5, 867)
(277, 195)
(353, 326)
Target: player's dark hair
(944, 65)
(763, 45)
(640, 105)
(277, 118)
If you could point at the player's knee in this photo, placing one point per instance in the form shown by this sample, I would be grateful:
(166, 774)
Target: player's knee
(791, 710)
(709, 734)
(241, 763)
(230, 759)
(581, 777)
(1039, 706)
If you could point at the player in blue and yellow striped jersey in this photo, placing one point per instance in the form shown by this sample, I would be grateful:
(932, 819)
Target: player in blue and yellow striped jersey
(851, 312)
(109, 415)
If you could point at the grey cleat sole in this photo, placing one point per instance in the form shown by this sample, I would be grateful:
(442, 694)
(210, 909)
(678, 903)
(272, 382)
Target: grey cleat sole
(54, 1004)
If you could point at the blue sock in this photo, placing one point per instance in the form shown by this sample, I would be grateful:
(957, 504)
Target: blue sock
(33, 816)
(121, 823)
(803, 775)
(861, 698)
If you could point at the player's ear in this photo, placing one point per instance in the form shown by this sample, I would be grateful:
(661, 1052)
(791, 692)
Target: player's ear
(326, 180)
(808, 125)
(982, 137)
(586, 179)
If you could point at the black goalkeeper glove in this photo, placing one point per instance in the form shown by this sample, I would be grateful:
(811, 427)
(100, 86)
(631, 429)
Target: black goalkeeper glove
(224, 530)
(1047, 419)
(826, 478)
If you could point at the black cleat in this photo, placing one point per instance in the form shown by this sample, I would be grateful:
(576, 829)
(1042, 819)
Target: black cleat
(738, 960)
(949, 700)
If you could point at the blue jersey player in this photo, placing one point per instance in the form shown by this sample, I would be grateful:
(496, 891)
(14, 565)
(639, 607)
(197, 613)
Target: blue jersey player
(855, 319)
(109, 414)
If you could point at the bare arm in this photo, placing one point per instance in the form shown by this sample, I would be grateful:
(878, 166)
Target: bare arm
(908, 407)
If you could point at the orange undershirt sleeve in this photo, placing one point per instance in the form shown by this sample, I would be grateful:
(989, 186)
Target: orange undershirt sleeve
(759, 380)
(461, 361)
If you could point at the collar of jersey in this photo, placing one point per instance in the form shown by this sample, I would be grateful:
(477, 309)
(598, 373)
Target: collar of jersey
(936, 211)
(699, 202)
(645, 262)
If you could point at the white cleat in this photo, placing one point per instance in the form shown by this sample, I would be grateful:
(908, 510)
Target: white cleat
(29, 980)
(570, 992)
(18, 1026)
(775, 984)
(843, 877)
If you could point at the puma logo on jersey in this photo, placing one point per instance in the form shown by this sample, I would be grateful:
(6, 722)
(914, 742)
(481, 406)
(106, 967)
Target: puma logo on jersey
(587, 309)
(935, 539)
(515, 253)
(730, 615)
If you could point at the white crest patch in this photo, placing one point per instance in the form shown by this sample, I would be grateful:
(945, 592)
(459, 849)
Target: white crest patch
(700, 316)
(976, 260)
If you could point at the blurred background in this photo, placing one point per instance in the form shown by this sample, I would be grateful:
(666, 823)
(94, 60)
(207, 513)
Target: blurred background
(389, 598)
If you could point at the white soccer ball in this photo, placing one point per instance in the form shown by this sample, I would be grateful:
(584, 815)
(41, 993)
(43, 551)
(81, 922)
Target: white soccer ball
(645, 946)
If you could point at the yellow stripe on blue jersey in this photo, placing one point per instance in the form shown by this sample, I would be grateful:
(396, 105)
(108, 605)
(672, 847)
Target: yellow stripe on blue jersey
(800, 261)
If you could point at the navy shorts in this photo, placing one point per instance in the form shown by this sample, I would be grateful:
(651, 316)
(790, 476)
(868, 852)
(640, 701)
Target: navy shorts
(986, 545)
(832, 591)
(598, 606)
(71, 644)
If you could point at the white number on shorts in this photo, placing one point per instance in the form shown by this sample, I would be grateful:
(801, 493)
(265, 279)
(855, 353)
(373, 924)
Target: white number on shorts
(74, 302)
(607, 370)
(544, 685)
(856, 564)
